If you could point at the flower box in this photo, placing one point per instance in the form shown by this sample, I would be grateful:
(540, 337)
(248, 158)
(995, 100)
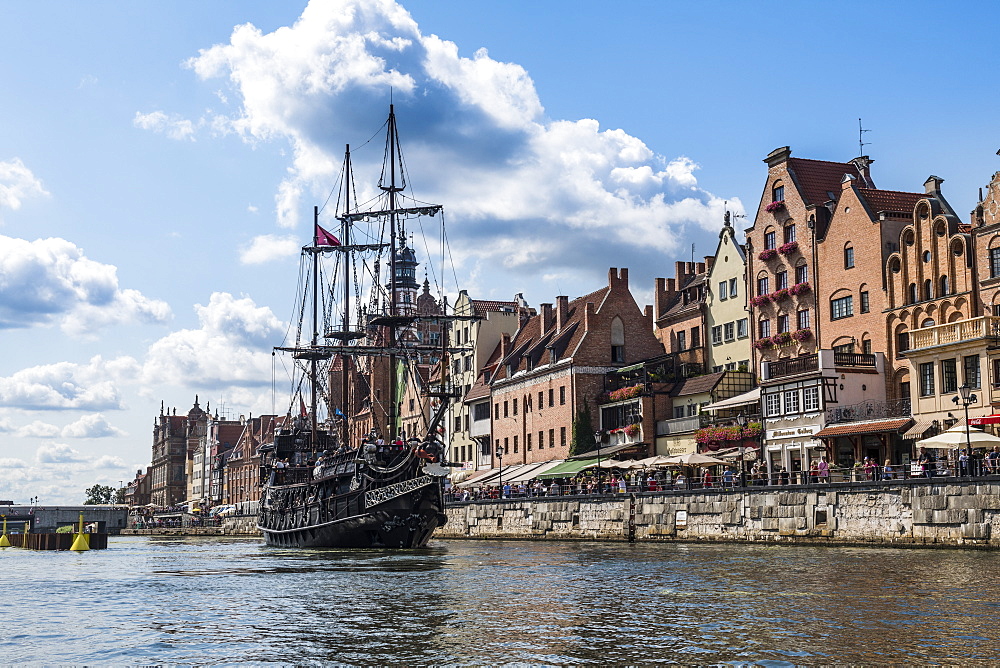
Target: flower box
(632, 430)
(763, 344)
(760, 300)
(789, 248)
(626, 393)
(781, 339)
(779, 295)
(802, 334)
(775, 206)
(767, 254)
(800, 288)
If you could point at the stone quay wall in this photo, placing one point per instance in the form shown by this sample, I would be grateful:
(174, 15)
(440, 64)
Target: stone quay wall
(940, 512)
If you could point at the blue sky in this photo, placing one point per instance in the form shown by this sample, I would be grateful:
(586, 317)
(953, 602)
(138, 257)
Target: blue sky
(158, 167)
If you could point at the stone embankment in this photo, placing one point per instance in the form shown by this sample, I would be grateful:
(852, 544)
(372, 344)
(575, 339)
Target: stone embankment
(237, 526)
(941, 512)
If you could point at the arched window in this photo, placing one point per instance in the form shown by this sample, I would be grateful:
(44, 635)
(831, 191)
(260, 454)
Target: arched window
(928, 289)
(943, 287)
(929, 322)
(912, 294)
(848, 256)
(778, 192)
(617, 341)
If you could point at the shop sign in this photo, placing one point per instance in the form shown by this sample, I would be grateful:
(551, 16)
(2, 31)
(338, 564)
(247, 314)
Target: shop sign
(792, 432)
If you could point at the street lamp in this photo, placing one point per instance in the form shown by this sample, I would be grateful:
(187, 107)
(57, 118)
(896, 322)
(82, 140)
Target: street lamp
(965, 393)
(741, 420)
(597, 439)
(500, 457)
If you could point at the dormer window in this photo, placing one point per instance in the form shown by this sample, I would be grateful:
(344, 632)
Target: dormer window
(778, 192)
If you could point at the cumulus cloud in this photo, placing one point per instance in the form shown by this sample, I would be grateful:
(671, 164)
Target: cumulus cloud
(16, 183)
(172, 126)
(69, 386)
(232, 346)
(587, 192)
(91, 426)
(57, 453)
(52, 281)
(269, 247)
(108, 462)
(38, 429)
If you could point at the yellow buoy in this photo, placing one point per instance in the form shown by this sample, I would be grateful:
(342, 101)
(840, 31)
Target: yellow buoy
(4, 541)
(81, 541)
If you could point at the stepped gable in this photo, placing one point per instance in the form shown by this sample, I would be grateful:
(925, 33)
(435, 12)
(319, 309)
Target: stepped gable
(818, 181)
(890, 201)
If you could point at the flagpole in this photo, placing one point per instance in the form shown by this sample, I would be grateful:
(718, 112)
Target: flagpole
(314, 434)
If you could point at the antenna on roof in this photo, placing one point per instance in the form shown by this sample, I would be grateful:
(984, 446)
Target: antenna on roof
(861, 136)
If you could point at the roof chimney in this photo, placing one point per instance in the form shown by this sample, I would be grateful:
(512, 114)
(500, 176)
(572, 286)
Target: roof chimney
(562, 312)
(862, 163)
(932, 186)
(778, 156)
(505, 343)
(709, 261)
(547, 319)
(663, 293)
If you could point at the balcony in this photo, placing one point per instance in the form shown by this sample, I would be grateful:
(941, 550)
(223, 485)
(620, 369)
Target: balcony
(793, 366)
(684, 425)
(854, 359)
(955, 332)
(868, 410)
(827, 360)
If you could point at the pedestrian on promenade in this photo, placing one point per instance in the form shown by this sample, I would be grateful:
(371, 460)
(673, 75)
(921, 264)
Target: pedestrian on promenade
(814, 472)
(823, 469)
(727, 478)
(783, 477)
(887, 472)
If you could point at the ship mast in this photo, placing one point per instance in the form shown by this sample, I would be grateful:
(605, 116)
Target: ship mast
(345, 237)
(391, 140)
(314, 434)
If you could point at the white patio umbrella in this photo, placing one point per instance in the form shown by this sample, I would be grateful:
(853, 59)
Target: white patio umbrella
(649, 462)
(957, 437)
(693, 459)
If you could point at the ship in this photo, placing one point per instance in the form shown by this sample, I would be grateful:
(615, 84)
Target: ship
(343, 471)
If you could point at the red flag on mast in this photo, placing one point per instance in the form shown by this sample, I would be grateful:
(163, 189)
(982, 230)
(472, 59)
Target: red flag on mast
(324, 238)
(302, 407)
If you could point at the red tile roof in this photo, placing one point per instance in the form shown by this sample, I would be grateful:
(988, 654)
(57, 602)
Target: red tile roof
(864, 427)
(890, 200)
(817, 178)
(482, 306)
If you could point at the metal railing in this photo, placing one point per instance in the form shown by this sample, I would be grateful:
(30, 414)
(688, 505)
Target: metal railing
(793, 366)
(854, 359)
(682, 425)
(868, 410)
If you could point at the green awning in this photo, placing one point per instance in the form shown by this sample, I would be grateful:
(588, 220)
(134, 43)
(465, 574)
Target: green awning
(568, 469)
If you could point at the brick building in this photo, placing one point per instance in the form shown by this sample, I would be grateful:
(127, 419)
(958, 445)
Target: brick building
(241, 483)
(554, 367)
(174, 436)
(680, 314)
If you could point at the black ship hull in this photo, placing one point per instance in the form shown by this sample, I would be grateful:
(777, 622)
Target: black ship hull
(400, 515)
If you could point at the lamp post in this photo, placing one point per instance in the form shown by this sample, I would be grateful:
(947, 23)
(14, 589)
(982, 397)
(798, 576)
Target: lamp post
(741, 421)
(500, 458)
(597, 439)
(967, 397)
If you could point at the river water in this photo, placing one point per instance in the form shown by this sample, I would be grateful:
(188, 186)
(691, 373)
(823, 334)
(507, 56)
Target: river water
(229, 600)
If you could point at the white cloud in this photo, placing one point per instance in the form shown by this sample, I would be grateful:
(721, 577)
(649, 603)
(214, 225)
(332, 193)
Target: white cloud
(109, 462)
(65, 385)
(584, 193)
(172, 126)
(16, 183)
(93, 425)
(38, 429)
(12, 463)
(231, 346)
(51, 280)
(269, 247)
(57, 453)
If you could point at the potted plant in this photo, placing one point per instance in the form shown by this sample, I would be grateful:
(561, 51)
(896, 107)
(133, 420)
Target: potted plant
(763, 344)
(781, 339)
(801, 335)
(779, 295)
(767, 254)
(632, 430)
(800, 288)
(760, 300)
(775, 206)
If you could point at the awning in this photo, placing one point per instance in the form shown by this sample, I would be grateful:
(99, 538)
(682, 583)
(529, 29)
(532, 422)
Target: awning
(872, 427)
(479, 476)
(918, 429)
(567, 469)
(745, 399)
(532, 471)
(606, 453)
(984, 420)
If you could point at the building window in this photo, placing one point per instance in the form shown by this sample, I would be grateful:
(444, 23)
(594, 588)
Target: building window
(866, 346)
(552, 438)
(617, 341)
(849, 258)
(803, 319)
(994, 262)
(552, 397)
(562, 436)
(927, 379)
(865, 305)
(782, 323)
(681, 340)
(778, 193)
(789, 233)
(515, 444)
(842, 307)
(902, 342)
(515, 402)
(971, 368)
(911, 293)
(481, 412)
(791, 401)
(769, 241)
(949, 376)
(541, 405)
(730, 330)
(781, 280)
(810, 399)
(458, 423)
(763, 328)
(505, 409)
(695, 337)
(802, 273)
(741, 328)
(928, 289)
(717, 335)
(732, 287)
(772, 403)
(996, 371)
(763, 286)
(844, 348)
(678, 412)
(562, 395)
(723, 290)
(944, 286)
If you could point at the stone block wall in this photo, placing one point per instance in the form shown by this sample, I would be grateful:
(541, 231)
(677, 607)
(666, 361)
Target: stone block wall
(946, 513)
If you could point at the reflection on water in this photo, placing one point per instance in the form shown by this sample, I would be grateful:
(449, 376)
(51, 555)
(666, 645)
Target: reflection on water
(182, 600)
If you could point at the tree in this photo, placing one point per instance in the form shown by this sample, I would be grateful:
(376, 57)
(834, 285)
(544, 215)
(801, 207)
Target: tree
(99, 494)
(120, 496)
(583, 432)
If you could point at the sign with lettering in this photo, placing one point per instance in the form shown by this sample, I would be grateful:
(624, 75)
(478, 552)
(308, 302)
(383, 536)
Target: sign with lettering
(792, 432)
(376, 496)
